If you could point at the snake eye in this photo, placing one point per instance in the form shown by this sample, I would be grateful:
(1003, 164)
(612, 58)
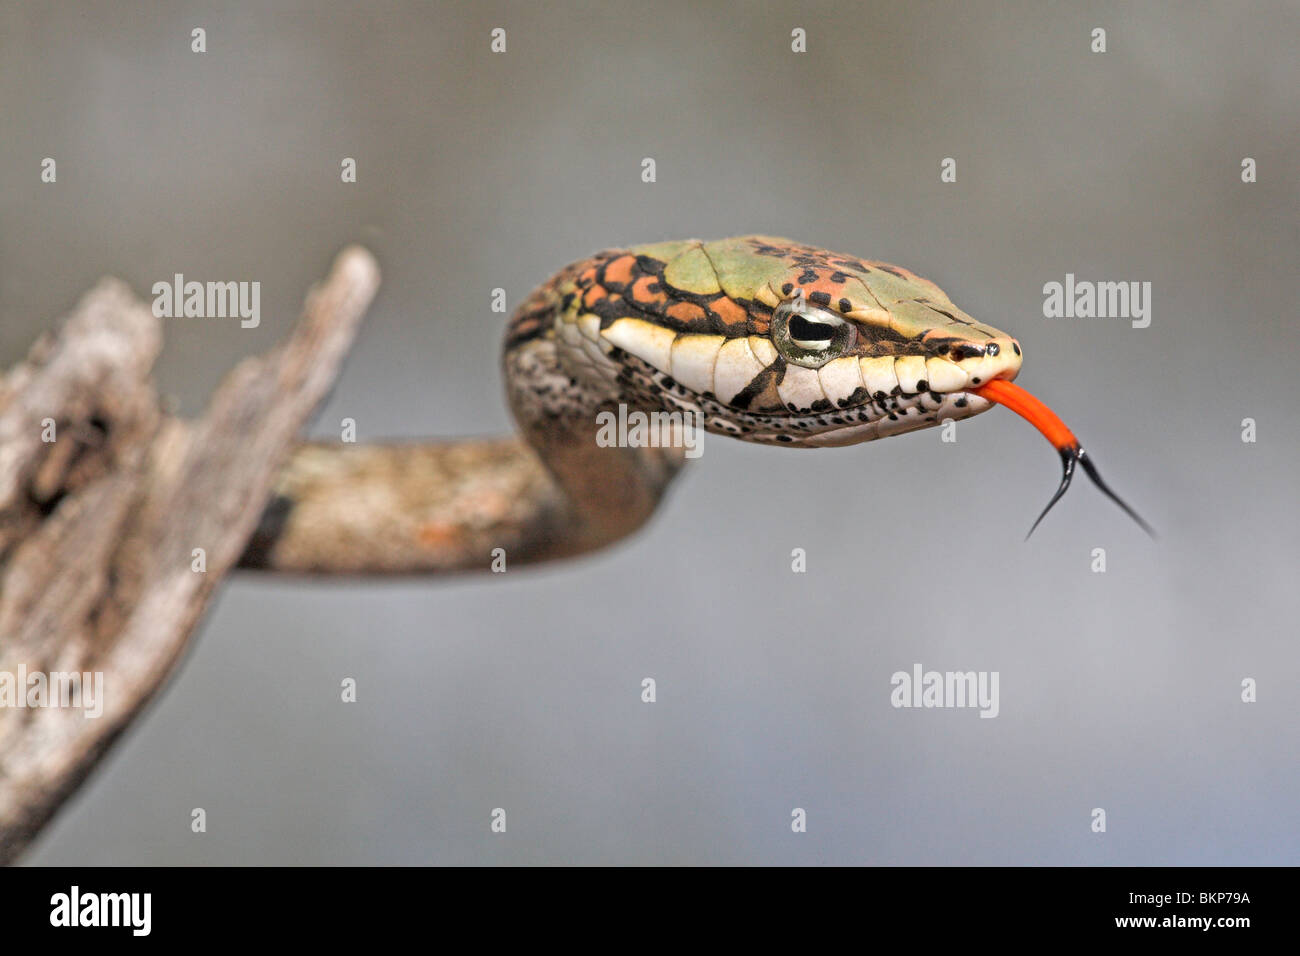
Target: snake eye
(808, 336)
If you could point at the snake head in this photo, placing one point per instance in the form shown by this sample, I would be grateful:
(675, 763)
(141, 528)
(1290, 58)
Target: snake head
(770, 341)
(777, 342)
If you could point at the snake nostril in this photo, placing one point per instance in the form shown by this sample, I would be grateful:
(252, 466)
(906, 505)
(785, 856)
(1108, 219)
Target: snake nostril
(1016, 346)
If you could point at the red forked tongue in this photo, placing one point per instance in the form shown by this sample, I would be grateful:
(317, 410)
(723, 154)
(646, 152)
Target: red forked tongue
(1055, 431)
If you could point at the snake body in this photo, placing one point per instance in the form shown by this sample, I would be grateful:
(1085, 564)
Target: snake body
(764, 339)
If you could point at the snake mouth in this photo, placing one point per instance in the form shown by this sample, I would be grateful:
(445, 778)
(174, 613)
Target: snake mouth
(750, 388)
(873, 418)
(944, 384)
(898, 394)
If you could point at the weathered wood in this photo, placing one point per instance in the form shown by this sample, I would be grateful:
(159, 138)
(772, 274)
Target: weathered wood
(98, 529)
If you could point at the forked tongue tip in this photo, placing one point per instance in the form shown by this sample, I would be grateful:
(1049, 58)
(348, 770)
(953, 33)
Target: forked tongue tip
(1055, 431)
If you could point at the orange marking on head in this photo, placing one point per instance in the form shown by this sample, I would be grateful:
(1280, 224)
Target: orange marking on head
(822, 283)
(619, 272)
(593, 295)
(685, 312)
(641, 291)
(729, 312)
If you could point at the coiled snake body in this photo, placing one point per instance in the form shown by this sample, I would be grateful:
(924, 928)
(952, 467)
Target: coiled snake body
(763, 339)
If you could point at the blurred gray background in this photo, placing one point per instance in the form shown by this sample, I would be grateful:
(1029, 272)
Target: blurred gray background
(1118, 690)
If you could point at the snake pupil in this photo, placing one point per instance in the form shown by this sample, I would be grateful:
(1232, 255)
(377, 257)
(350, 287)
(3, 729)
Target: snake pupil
(803, 331)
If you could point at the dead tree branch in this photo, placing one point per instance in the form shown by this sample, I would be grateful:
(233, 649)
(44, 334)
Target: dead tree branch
(99, 527)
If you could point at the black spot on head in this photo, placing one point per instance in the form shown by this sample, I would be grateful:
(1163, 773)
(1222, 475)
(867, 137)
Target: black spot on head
(976, 380)
(822, 299)
(787, 288)
(845, 305)
(960, 403)
(745, 397)
(784, 438)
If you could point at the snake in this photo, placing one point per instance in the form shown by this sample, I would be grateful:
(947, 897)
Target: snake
(757, 338)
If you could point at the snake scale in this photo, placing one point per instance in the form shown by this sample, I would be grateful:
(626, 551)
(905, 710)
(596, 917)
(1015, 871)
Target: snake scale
(758, 338)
